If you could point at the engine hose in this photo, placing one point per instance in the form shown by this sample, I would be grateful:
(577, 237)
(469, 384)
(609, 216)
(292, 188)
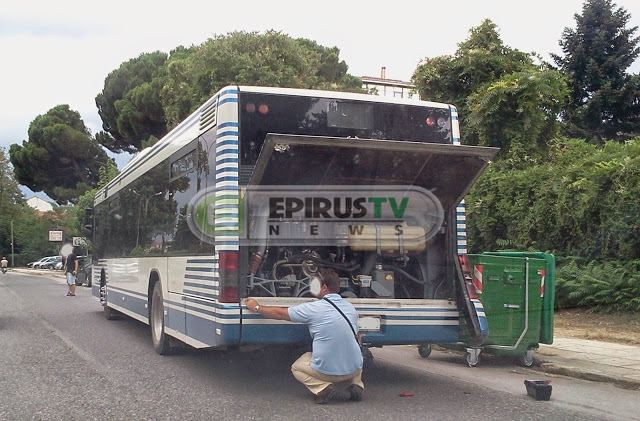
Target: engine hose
(323, 263)
(397, 269)
(435, 291)
(369, 262)
(337, 266)
(350, 267)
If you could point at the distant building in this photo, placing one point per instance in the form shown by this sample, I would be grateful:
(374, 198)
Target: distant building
(389, 87)
(39, 205)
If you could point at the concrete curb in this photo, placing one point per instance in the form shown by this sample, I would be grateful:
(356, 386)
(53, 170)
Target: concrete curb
(39, 272)
(582, 370)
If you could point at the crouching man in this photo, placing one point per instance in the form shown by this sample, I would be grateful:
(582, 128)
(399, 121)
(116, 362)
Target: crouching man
(336, 355)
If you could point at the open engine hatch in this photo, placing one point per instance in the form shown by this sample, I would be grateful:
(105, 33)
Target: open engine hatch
(448, 171)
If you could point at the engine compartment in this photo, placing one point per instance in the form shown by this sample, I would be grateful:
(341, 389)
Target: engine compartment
(287, 271)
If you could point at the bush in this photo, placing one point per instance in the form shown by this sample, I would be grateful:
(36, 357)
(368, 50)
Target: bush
(581, 201)
(603, 286)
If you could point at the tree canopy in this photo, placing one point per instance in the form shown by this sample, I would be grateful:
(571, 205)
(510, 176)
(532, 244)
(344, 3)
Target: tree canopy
(10, 194)
(480, 59)
(16, 217)
(130, 105)
(502, 95)
(518, 112)
(147, 96)
(60, 157)
(604, 99)
(251, 58)
(11, 202)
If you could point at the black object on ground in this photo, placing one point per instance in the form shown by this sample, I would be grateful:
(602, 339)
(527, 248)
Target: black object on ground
(540, 390)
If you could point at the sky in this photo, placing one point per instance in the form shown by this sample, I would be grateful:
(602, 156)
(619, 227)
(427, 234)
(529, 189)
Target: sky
(60, 52)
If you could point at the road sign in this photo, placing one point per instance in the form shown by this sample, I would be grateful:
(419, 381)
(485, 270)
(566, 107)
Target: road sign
(79, 241)
(55, 235)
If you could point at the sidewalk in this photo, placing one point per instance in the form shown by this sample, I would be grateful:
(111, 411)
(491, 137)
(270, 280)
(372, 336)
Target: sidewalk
(591, 360)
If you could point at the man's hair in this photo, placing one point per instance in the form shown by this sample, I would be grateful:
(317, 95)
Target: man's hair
(330, 278)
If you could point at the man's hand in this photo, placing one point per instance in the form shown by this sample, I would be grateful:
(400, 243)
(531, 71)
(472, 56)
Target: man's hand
(251, 304)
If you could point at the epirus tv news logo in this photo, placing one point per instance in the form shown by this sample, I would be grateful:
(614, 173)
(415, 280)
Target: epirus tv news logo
(366, 217)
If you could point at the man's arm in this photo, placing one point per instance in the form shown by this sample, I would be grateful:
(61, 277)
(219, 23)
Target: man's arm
(75, 266)
(270, 312)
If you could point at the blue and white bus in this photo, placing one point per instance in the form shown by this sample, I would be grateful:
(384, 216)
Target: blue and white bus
(260, 188)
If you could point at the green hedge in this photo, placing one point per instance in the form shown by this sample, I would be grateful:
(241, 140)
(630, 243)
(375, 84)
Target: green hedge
(583, 200)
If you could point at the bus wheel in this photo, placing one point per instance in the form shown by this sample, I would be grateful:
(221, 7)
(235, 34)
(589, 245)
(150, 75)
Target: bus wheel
(109, 313)
(367, 356)
(160, 338)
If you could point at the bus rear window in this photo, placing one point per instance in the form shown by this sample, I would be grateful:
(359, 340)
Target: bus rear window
(349, 115)
(336, 117)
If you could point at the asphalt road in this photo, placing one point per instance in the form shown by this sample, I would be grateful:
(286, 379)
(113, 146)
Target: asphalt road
(60, 359)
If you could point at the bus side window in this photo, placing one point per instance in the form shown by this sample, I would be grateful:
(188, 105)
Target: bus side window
(183, 187)
(207, 160)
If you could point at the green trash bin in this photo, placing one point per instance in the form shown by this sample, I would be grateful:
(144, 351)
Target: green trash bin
(517, 291)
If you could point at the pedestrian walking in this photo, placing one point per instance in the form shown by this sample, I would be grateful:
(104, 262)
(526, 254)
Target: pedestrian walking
(336, 356)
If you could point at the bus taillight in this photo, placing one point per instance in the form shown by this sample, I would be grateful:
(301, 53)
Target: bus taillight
(228, 271)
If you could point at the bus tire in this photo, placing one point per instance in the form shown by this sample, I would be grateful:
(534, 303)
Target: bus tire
(367, 357)
(109, 313)
(161, 342)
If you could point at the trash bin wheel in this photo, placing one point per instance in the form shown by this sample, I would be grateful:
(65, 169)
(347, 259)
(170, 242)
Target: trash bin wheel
(471, 359)
(526, 360)
(424, 350)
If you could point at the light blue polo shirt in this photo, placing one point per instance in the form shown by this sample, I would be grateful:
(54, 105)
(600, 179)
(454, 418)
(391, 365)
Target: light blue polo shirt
(335, 350)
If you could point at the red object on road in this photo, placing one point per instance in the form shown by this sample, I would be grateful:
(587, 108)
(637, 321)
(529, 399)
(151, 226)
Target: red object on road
(405, 394)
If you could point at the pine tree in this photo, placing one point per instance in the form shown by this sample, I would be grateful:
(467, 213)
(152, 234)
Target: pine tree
(604, 100)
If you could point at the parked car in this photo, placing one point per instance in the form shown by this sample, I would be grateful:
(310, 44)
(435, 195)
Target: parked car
(84, 271)
(42, 263)
(51, 264)
(31, 264)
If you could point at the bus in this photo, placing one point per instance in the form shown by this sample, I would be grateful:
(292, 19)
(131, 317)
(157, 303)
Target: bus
(260, 188)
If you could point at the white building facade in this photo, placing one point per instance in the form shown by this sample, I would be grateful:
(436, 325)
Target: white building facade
(40, 205)
(389, 87)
